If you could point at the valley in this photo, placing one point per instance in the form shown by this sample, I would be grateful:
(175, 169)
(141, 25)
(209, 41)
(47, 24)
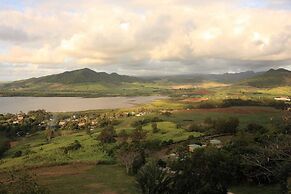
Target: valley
(90, 150)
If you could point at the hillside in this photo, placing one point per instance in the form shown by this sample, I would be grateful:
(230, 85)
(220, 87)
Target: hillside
(82, 82)
(196, 78)
(271, 78)
(77, 76)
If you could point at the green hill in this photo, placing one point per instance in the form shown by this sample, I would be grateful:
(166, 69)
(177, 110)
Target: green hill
(271, 78)
(82, 82)
(77, 76)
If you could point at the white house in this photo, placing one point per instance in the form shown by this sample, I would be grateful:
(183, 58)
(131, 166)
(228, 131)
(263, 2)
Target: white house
(286, 99)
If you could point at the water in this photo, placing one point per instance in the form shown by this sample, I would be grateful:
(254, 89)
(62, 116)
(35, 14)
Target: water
(70, 104)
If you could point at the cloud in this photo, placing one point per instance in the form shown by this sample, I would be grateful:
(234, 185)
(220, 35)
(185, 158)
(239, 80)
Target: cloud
(143, 35)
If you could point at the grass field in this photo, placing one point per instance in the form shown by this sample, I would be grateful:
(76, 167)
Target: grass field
(108, 179)
(75, 179)
(167, 131)
(36, 151)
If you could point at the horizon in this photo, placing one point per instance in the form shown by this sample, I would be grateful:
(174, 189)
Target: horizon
(40, 38)
(148, 76)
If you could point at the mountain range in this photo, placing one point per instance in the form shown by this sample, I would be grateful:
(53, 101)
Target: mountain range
(88, 81)
(78, 76)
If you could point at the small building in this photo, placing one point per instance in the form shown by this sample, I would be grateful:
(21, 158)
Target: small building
(285, 99)
(193, 147)
(82, 124)
(62, 123)
(215, 142)
(20, 117)
(15, 122)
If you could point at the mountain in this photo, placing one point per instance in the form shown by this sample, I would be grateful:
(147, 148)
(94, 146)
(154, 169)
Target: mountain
(77, 77)
(194, 78)
(271, 78)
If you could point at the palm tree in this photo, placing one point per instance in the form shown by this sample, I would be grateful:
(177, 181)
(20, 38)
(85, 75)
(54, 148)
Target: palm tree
(153, 180)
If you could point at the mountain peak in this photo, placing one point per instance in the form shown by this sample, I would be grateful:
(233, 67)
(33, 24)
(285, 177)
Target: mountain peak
(278, 70)
(84, 75)
(271, 78)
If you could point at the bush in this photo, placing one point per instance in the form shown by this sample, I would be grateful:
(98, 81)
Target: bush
(138, 134)
(256, 128)
(72, 147)
(166, 143)
(195, 127)
(21, 182)
(17, 154)
(153, 145)
(226, 126)
(189, 106)
(153, 180)
(178, 125)
(239, 102)
(107, 135)
(155, 128)
(207, 105)
(4, 147)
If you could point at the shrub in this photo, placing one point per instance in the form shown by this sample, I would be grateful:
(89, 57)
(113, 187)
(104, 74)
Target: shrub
(21, 182)
(229, 125)
(107, 135)
(74, 146)
(152, 179)
(155, 128)
(195, 127)
(256, 128)
(207, 105)
(153, 145)
(138, 134)
(17, 154)
(4, 147)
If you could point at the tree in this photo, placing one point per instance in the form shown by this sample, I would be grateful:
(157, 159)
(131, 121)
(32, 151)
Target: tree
(205, 171)
(226, 126)
(153, 180)
(128, 155)
(107, 135)
(138, 134)
(4, 146)
(256, 128)
(50, 134)
(155, 127)
(21, 182)
(270, 162)
(123, 135)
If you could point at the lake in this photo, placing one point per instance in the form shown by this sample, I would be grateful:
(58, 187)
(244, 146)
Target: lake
(70, 104)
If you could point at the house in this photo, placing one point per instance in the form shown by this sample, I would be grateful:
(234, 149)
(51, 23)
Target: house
(285, 99)
(140, 114)
(20, 117)
(215, 142)
(82, 124)
(62, 123)
(192, 147)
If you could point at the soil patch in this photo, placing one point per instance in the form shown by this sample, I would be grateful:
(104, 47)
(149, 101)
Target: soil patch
(70, 169)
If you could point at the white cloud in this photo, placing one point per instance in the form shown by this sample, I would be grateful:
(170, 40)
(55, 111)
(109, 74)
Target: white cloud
(97, 32)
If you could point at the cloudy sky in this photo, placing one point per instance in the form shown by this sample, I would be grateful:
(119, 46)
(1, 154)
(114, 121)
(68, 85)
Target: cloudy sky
(143, 37)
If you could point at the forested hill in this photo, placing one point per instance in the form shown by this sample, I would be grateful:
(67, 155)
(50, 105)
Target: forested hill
(77, 76)
(271, 78)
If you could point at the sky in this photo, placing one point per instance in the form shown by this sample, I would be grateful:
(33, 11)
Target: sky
(143, 37)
